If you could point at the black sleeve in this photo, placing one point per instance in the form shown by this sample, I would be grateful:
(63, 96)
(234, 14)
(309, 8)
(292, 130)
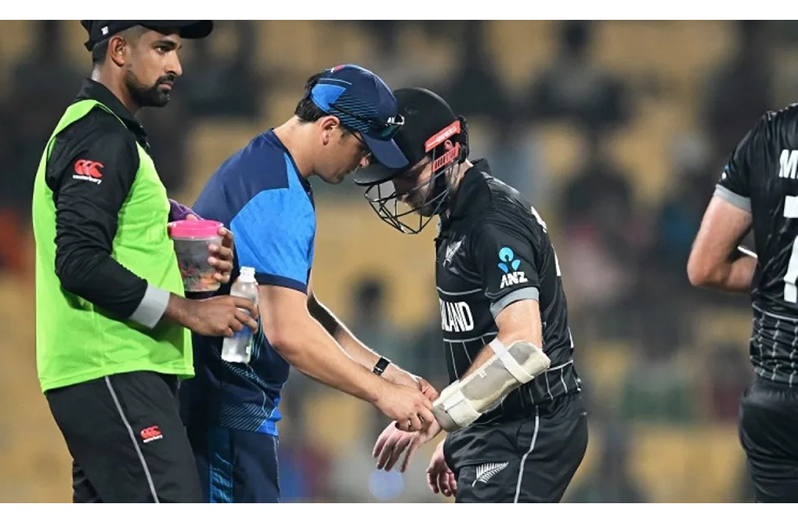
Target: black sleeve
(91, 170)
(505, 260)
(745, 160)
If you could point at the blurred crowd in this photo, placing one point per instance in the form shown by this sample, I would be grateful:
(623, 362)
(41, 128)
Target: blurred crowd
(615, 131)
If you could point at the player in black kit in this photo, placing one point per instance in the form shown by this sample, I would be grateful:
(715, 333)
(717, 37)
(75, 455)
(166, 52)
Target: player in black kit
(499, 286)
(758, 189)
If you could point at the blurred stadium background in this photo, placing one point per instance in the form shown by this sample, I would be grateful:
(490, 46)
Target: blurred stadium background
(615, 130)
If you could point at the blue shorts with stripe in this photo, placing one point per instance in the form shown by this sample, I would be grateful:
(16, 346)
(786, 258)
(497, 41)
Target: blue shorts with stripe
(236, 466)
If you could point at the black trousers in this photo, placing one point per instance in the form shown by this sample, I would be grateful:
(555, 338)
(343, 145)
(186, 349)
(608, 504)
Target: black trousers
(524, 461)
(126, 439)
(768, 430)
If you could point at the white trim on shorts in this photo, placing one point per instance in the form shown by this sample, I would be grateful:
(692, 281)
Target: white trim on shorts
(133, 439)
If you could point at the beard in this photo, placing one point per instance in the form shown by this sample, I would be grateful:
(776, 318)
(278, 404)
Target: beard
(427, 199)
(418, 202)
(148, 96)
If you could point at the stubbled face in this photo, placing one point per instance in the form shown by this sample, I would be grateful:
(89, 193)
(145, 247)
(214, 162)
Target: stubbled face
(151, 67)
(414, 187)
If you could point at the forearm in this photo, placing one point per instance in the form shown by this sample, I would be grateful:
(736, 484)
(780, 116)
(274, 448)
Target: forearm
(717, 260)
(482, 357)
(316, 353)
(518, 321)
(355, 348)
(99, 279)
(343, 336)
(735, 275)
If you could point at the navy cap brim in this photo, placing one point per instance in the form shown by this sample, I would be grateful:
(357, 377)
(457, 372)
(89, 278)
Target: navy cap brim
(386, 152)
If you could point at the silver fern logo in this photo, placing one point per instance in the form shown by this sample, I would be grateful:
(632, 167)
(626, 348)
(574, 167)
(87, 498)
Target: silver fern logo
(487, 470)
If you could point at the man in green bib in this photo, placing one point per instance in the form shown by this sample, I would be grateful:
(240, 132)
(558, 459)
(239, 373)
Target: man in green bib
(112, 322)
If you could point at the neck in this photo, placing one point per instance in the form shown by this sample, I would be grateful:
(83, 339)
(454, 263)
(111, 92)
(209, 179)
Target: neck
(115, 84)
(454, 182)
(296, 137)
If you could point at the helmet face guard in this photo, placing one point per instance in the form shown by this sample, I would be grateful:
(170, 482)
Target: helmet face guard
(385, 200)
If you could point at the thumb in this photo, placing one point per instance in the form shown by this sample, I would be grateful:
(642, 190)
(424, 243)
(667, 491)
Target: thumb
(192, 217)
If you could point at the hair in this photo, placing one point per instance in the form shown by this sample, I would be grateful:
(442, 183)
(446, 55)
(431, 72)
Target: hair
(306, 110)
(100, 50)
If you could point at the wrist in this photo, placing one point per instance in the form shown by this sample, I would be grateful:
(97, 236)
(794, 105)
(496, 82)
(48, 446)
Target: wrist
(378, 391)
(399, 376)
(176, 309)
(381, 367)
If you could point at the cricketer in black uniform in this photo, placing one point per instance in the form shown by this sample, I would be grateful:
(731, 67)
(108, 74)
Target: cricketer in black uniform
(760, 180)
(492, 250)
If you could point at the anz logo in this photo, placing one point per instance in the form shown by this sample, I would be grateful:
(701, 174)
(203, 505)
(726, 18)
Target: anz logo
(508, 261)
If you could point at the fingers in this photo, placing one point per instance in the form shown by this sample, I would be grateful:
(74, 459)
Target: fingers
(236, 325)
(246, 319)
(428, 390)
(389, 448)
(452, 483)
(245, 303)
(432, 482)
(227, 237)
(425, 416)
(382, 439)
(447, 483)
(409, 455)
(221, 253)
(221, 259)
(398, 449)
(409, 425)
(443, 485)
(192, 217)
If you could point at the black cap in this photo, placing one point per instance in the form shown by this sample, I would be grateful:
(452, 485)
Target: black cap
(426, 114)
(99, 30)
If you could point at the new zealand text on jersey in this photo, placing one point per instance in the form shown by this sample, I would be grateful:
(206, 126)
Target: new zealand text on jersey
(788, 162)
(456, 317)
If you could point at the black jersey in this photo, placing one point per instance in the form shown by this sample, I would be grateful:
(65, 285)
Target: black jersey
(494, 250)
(760, 177)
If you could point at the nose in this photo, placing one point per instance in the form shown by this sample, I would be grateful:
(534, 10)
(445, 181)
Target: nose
(174, 66)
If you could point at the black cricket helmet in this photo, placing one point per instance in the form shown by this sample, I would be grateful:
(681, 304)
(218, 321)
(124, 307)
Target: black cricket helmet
(429, 123)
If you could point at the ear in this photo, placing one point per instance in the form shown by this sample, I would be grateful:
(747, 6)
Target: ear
(327, 124)
(116, 49)
(448, 145)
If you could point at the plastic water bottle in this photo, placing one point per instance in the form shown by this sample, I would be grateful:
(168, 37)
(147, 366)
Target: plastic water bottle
(238, 349)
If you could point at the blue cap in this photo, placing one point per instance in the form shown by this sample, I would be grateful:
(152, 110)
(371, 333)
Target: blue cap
(363, 103)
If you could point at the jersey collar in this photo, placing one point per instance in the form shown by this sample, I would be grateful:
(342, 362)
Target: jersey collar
(468, 195)
(91, 90)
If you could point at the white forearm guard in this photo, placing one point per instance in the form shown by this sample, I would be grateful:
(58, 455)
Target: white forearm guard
(462, 402)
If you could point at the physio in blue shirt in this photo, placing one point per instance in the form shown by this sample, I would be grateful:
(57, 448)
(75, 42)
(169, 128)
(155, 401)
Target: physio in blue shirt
(347, 117)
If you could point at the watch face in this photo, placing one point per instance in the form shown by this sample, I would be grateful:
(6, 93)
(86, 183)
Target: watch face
(380, 366)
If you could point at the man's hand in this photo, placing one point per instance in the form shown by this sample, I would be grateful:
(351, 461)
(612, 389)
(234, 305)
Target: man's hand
(178, 211)
(397, 375)
(392, 442)
(407, 406)
(218, 316)
(439, 477)
(221, 258)
(426, 389)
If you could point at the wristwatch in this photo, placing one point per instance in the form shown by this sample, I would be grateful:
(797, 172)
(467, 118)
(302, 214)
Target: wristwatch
(380, 366)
